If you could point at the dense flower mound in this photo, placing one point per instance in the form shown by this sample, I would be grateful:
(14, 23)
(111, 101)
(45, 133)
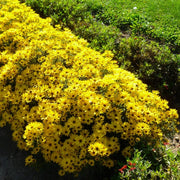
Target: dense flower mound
(67, 102)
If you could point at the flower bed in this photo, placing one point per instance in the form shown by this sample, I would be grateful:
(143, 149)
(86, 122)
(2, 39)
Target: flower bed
(67, 102)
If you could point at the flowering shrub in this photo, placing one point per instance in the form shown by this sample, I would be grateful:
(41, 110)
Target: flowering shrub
(68, 102)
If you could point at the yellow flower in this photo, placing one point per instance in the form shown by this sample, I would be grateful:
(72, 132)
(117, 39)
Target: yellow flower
(61, 172)
(97, 149)
(33, 131)
(108, 163)
(91, 162)
(142, 129)
(126, 152)
(29, 160)
(55, 157)
(2, 123)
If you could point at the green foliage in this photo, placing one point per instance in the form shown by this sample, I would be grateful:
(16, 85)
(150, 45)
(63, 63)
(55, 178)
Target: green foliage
(154, 19)
(137, 167)
(95, 6)
(100, 36)
(151, 62)
(142, 166)
(67, 13)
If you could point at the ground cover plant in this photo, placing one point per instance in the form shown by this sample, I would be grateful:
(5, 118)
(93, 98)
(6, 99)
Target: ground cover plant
(143, 38)
(69, 103)
(150, 163)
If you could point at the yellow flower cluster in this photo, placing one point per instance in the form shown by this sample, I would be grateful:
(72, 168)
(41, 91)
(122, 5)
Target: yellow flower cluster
(29, 160)
(104, 148)
(32, 133)
(68, 102)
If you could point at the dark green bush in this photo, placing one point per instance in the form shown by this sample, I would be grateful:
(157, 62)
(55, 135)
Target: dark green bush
(100, 36)
(154, 64)
(67, 13)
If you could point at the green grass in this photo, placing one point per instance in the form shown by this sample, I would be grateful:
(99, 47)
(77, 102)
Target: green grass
(153, 9)
(159, 20)
(163, 9)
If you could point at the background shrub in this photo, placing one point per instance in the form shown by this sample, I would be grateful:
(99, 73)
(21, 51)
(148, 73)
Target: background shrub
(99, 36)
(66, 13)
(154, 64)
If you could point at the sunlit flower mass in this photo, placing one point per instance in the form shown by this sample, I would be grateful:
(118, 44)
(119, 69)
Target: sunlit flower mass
(67, 101)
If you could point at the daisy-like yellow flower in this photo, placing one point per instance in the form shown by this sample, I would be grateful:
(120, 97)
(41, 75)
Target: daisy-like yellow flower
(97, 149)
(29, 160)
